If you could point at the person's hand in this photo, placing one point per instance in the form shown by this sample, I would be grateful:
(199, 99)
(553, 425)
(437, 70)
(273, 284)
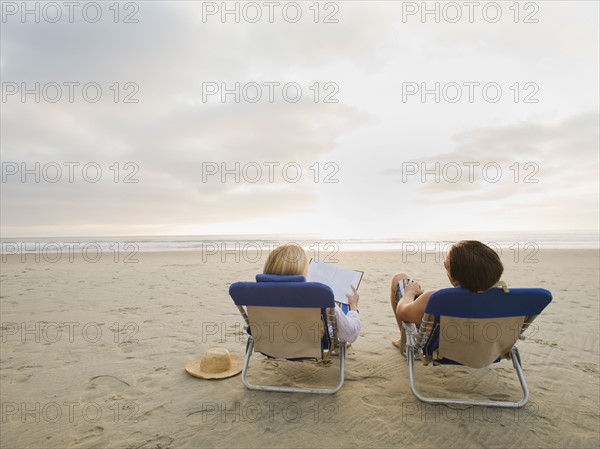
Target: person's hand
(353, 298)
(413, 288)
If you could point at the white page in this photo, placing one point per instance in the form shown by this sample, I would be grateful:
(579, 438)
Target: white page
(338, 278)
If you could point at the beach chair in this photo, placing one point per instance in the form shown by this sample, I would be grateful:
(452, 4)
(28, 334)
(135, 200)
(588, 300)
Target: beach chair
(286, 317)
(461, 327)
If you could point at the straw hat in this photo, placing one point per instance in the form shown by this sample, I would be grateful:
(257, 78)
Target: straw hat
(217, 363)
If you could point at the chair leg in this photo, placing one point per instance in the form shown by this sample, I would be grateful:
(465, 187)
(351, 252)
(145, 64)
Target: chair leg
(505, 404)
(342, 366)
(249, 349)
(282, 389)
(516, 359)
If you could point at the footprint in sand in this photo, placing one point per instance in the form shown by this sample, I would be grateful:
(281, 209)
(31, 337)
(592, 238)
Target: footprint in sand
(158, 442)
(371, 380)
(270, 365)
(586, 367)
(21, 378)
(128, 309)
(28, 367)
(108, 376)
(499, 397)
(544, 342)
(380, 401)
(89, 434)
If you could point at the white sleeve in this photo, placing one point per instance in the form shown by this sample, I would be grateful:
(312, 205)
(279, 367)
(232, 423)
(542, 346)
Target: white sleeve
(348, 326)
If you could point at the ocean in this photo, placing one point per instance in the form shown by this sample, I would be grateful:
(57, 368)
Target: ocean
(213, 243)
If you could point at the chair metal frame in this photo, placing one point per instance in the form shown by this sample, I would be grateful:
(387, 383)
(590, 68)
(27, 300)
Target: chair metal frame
(334, 342)
(415, 342)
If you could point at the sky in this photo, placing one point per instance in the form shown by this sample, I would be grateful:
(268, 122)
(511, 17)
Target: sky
(337, 119)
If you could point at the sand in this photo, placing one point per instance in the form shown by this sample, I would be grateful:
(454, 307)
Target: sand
(93, 355)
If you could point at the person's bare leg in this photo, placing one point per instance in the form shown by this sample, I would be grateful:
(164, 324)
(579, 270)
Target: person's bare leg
(400, 342)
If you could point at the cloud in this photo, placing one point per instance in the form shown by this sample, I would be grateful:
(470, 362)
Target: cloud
(171, 44)
(525, 159)
(532, 32)
(170, 133)
(171, 150)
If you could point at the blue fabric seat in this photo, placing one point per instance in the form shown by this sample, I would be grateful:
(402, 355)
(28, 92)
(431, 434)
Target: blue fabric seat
(462, 302)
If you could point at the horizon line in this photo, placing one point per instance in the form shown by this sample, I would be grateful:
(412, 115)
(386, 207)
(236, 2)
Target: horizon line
(316, 236)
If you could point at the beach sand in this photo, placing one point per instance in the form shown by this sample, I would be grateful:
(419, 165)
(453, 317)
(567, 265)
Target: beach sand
(93, 355)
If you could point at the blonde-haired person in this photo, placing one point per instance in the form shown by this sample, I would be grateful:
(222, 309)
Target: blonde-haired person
(290, 259)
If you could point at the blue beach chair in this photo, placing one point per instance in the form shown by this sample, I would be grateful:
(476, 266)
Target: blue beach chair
(286, 317)
(461, 327)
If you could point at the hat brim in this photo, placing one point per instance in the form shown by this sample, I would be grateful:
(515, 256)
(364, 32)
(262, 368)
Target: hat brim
(193, 369)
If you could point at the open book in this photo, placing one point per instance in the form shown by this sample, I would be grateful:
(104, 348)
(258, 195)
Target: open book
(338, 278)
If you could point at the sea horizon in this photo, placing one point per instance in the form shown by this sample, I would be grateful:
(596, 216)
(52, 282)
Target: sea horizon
(233, 242)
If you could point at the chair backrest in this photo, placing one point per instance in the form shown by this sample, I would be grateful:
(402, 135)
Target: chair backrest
(474, 329)
(285, 314)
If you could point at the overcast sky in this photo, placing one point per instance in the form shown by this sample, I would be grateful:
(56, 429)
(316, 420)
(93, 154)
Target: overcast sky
(524, 157)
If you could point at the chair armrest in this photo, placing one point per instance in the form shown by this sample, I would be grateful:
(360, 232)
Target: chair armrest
(244, 314)
(424, 332)
(331, 319)
(525, 326)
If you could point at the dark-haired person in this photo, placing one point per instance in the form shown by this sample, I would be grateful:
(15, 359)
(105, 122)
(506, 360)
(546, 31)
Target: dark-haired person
(469, 264)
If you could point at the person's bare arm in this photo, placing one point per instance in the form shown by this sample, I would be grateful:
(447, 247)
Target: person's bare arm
(411, 309)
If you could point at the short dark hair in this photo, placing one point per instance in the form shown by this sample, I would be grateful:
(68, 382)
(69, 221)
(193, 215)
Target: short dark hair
(474, 265)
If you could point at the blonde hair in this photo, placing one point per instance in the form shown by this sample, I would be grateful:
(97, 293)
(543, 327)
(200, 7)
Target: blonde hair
(287, 259)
